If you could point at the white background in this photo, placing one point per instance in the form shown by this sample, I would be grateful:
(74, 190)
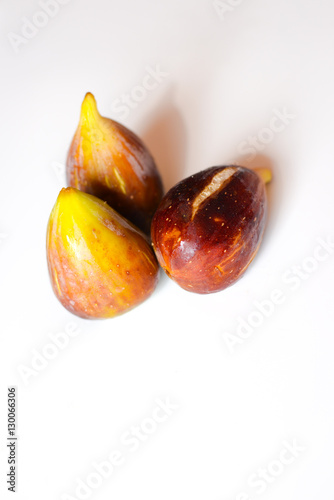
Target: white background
(227, 74)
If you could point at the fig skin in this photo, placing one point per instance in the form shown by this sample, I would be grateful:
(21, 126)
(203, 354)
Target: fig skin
(109, 161)
(100, 265)
(208, 228)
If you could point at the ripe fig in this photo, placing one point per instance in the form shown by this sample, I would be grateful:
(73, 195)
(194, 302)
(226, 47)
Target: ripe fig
(100, 265)
(109, 161)
(208, 228)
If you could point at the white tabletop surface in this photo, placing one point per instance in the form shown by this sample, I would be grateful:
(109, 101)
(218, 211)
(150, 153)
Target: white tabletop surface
(245, 397)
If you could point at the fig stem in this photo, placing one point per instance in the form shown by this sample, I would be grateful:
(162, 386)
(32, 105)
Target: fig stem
(265, 174)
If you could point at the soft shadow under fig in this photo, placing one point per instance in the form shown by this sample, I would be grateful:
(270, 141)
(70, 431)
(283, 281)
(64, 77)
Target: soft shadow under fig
(165, 137)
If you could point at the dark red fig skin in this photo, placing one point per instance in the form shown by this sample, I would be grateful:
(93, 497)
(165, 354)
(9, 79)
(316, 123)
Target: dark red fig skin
(207, 248)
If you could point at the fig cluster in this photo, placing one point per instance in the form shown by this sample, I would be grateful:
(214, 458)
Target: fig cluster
(204, 232)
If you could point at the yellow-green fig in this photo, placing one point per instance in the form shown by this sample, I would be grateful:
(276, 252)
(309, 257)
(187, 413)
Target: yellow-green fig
(100, 265)
(109, 161)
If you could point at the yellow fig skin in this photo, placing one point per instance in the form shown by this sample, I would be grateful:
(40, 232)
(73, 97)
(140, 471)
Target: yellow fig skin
(109, 161)
(100, 265)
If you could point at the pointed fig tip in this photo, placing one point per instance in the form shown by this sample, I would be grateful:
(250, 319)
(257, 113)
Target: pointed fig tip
(67, 190)
(89, 106)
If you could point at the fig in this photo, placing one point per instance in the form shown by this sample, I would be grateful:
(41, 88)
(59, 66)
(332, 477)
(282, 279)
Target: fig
(109, 161)
(100, 264)
(208, 228)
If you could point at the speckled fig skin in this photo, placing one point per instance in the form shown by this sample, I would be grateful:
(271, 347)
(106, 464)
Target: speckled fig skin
(109, 161)
(208, 228)
(100, 265)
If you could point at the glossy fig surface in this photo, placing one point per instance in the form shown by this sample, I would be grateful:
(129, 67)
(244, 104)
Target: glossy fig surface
(109, 161)
(208, 228)
(100, 265)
